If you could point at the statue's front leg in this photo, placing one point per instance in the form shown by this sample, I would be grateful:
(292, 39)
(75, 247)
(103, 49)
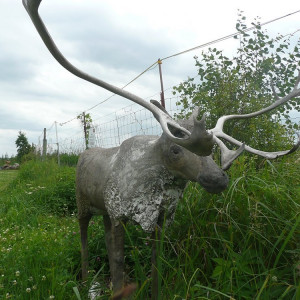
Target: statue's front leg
(114, 239)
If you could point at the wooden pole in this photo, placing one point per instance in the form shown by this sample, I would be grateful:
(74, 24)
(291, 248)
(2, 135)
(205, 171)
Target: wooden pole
(44, 145)
(57, 143)
(162, 95)
(85, 132)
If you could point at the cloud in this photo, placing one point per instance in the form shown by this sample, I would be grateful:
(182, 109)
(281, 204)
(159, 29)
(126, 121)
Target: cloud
(113, 40)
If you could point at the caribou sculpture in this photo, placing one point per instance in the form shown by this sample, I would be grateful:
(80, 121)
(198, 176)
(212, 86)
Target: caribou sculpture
(143, 179)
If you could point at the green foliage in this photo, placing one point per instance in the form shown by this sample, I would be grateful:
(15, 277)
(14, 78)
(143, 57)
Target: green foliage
(69, 159)
(23, 147)
(39, 249)
(243, 84)
(86, 122)
(243, 244)
(50, 186)
(5, 158)
(29, 156)
(6, 177)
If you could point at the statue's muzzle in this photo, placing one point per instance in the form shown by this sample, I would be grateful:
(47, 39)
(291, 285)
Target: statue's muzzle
(213, 179)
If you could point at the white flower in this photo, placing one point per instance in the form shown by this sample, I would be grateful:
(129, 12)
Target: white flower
(51, 297)
(18, 273)
(28, 290)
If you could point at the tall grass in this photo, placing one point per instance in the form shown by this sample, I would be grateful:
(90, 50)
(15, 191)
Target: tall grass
(245, 243)
(38, 248)
(6, 177)
(242, 244)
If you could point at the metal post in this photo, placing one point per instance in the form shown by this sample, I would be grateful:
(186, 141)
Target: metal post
(57, 143)
(44, 145)
(162, 95)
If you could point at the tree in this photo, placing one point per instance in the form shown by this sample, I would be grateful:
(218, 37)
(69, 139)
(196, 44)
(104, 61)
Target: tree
(86, 122)
(244, 84)
(23, 147)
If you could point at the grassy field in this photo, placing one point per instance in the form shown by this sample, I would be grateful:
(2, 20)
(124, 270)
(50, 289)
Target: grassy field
(241, 244)
(6, 177)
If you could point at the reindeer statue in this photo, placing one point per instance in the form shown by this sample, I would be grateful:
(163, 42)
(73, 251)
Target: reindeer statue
(143, 179)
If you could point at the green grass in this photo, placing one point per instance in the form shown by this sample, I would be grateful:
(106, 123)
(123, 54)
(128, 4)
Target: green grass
(38, 246)
(242, 244)
(6, 177)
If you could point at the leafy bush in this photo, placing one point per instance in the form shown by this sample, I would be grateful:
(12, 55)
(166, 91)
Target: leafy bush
(244, 83)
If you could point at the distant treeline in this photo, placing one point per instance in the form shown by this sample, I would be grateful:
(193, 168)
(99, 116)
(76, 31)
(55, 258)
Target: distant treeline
(65, 159)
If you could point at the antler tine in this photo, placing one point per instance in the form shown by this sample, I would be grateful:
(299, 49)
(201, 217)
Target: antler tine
(269, 155)
(218, 130)
(294, 93)
(228, 156)
(164, 118)
(199, 141)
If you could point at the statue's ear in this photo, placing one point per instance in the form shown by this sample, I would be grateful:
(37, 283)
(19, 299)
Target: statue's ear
(157, 104)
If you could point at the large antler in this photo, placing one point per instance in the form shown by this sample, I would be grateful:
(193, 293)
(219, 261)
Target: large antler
(227, 155)
(199, 141)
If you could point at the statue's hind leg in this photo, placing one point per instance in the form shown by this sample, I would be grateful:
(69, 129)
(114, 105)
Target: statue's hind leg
(83, 224)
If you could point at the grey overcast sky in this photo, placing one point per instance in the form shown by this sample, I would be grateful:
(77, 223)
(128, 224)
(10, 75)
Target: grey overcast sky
(113, 40)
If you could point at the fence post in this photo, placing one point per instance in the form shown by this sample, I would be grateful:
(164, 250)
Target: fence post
(57, 143)
(162, 94)
(44, 145)
(85, 131)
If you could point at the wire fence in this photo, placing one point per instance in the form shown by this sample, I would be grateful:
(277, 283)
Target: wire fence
(111, 130)
(106, 131)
